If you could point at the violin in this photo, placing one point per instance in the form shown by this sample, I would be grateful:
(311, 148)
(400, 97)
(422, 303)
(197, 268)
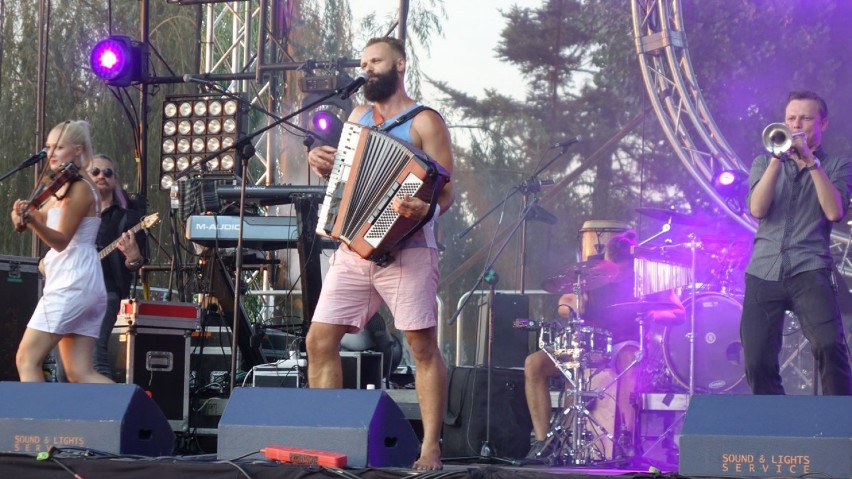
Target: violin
(48, 187)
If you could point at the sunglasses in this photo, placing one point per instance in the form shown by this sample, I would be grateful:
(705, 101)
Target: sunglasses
(96, 171)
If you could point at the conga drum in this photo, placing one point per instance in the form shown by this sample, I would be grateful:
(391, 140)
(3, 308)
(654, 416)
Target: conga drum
(595, 233)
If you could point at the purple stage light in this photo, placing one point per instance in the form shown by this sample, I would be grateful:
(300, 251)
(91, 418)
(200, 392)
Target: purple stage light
(727, 178)
(323, 121)
(732, 185)
(108, 58)
(118, 61)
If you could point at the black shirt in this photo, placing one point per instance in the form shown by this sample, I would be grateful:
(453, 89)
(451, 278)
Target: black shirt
(114, 221)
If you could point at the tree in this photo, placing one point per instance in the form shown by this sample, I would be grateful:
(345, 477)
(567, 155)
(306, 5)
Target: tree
(583, 74)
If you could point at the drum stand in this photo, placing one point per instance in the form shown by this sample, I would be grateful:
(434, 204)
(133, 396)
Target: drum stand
(574, 444)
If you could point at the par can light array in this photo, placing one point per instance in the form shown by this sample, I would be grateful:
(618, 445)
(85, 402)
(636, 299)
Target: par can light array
(194, 127)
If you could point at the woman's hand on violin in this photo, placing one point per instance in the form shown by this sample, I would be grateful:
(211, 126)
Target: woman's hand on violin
(18, 211)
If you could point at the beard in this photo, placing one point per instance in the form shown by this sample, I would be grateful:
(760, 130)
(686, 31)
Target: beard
(384, 85)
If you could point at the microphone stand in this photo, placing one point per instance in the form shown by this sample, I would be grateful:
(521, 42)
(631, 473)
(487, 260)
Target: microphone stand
(245, 152)
(489, 268)
(490, 277)
(218, 89)
(25, 164)
(526, 185)
(532, 184)
(530, 187)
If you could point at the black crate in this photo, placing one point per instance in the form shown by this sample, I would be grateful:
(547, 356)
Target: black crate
(283, 374)
(157, 360)
(361, 369)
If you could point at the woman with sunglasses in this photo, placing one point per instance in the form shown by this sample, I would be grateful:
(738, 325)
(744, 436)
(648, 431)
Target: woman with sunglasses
(71, 309)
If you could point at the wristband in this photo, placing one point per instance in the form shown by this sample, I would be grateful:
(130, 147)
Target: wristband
(814, 166)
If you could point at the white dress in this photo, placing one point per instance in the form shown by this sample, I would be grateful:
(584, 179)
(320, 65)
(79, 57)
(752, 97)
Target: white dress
(74, 296)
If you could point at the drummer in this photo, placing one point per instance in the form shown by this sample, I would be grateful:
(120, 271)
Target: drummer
(617, 265)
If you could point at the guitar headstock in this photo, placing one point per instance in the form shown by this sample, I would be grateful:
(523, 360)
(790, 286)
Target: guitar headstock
(150, 220)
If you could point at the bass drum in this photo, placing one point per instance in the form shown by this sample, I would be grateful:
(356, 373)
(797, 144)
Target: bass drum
(718, 350)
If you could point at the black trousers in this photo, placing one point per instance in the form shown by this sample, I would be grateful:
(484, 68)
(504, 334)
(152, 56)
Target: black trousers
(811, 296)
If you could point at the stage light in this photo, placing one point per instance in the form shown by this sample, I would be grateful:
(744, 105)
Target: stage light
(119, 61)
(195, 127)
(732, 186)
(731, 183)
(325, 120)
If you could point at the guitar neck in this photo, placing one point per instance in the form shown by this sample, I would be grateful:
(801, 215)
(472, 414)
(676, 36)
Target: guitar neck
(112, 246)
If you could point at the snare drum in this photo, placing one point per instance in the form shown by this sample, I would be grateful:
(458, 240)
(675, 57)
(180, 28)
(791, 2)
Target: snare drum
(595, 233)
(591, 346)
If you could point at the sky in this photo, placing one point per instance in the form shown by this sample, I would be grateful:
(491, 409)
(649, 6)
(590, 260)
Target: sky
(464, 57)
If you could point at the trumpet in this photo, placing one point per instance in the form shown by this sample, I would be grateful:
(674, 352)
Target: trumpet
(778, 138)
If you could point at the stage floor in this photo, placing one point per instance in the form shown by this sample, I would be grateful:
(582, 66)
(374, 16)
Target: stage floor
(188, 467)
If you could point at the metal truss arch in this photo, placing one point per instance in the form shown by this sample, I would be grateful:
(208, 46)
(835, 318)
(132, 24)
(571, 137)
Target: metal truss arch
(673, 90)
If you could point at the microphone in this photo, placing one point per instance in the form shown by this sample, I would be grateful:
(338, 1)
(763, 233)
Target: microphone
(567, 143)
(535, 184)
(35, 158)
(191, 79)
(353, 86)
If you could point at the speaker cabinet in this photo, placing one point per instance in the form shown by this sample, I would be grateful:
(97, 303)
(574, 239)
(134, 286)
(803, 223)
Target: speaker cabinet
(767, 436)
(509, 345)
(366, 425)
(114, 418)
(20, 288)
(466, 423)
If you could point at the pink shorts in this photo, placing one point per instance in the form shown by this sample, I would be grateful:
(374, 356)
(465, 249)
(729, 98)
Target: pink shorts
(354, 288)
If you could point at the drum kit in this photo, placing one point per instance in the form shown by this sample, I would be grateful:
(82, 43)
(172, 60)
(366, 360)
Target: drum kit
(701, 354)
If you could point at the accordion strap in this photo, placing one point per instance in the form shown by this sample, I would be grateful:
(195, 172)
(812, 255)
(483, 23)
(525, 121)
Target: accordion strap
(403, 118)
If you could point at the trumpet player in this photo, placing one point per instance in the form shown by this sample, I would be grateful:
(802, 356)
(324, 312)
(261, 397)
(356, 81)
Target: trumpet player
(797, 192)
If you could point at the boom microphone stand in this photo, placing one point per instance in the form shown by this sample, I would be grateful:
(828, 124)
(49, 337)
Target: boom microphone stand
(490, 277)
(532, 184)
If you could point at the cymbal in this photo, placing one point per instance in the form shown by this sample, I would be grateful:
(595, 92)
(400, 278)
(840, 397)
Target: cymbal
(591, 274)
(727, 246)
(676, 217)
(640, 307)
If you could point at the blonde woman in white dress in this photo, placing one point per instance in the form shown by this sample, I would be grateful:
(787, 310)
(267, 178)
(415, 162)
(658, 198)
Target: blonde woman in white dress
(73, 302)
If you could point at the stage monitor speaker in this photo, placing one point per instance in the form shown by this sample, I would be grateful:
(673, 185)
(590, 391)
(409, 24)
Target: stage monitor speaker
(113, 418)
(767, 436)
(510, 345)
(20, 288)
(466, 421)
(364, 424)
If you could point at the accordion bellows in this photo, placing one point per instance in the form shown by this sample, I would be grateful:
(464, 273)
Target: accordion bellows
(370, 169)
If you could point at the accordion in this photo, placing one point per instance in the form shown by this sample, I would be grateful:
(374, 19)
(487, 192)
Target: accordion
(370, 169)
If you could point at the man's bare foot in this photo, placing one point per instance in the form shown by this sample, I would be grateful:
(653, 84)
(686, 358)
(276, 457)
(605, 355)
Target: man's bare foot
(430, 459)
